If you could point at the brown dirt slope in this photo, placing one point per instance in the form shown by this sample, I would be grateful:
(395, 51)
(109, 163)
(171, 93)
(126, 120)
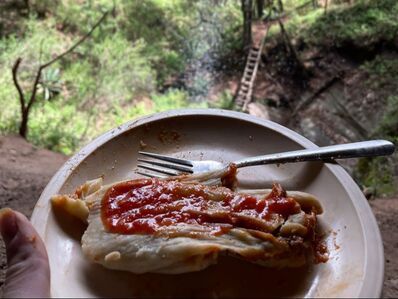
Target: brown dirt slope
(25, 170)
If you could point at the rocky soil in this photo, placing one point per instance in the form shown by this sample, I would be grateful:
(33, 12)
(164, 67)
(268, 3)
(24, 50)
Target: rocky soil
(25, 171)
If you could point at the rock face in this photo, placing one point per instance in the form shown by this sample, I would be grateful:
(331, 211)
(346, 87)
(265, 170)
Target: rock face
(258, 110)
(341, 102)
(334, 116)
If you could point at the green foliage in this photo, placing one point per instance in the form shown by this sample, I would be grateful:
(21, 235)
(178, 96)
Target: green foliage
(40, 42)
(382, 78)
(388, 126)
(225, 101)
(116, 74)
(302, 24)
(382, 71)
(57, 127)
(50, 84)
(365, 23)
(174, 99)
(379, 172)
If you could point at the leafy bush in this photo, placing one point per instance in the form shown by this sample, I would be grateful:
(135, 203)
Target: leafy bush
(174, 99)
(40, 42)
(379, 172)
(382, 71)
(365, 23)
(224, 101)
(116, 74)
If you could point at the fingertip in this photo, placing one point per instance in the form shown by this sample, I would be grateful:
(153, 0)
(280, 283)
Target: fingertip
(8, 224)
(28, 271)
(4, 212)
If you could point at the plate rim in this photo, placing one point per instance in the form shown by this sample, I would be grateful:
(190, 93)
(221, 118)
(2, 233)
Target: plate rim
(372, 283)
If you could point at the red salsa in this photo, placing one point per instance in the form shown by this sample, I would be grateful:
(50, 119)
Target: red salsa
(146, 205)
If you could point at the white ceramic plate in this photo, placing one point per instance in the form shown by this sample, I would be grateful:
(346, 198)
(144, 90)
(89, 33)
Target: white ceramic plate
(356, 264)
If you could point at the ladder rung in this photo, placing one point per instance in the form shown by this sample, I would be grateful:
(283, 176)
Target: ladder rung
(246, 85)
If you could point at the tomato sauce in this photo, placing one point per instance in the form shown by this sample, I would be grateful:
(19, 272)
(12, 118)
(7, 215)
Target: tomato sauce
(146, 205)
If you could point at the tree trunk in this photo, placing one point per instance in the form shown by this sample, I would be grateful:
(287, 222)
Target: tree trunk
(300, 68)
(260, 8)
(326, 7)
(247, 23)
(23, 127)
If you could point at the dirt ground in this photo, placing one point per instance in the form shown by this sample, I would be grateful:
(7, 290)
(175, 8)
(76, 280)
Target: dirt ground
(25, 170)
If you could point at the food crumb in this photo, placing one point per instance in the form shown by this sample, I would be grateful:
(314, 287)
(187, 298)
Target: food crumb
(336, 246)
(320, 249)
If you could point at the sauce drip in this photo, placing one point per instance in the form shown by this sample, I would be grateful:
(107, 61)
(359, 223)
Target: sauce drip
(146, 205)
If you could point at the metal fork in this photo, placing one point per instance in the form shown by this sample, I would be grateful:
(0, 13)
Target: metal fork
(177, 166)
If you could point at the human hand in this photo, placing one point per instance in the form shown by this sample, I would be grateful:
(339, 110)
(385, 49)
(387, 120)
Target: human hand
(28, 271)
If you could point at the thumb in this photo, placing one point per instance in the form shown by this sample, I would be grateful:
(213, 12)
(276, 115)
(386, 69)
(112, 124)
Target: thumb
(28, 271)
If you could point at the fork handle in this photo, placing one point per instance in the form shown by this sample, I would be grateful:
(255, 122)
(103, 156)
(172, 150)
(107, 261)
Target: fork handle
(341, 151)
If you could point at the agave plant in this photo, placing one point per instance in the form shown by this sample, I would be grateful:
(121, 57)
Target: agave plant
(50, 84)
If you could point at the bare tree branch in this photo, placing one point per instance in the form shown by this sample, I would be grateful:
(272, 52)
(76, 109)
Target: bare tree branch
(25, 107)
(43, 66)
(34, 88)
(16, 83)
(77, 43)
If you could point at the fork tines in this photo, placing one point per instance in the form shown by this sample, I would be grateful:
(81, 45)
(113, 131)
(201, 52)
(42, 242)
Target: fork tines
(179, 167)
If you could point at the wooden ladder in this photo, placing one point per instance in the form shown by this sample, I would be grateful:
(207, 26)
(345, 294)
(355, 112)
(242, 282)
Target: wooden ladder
(245, 91)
